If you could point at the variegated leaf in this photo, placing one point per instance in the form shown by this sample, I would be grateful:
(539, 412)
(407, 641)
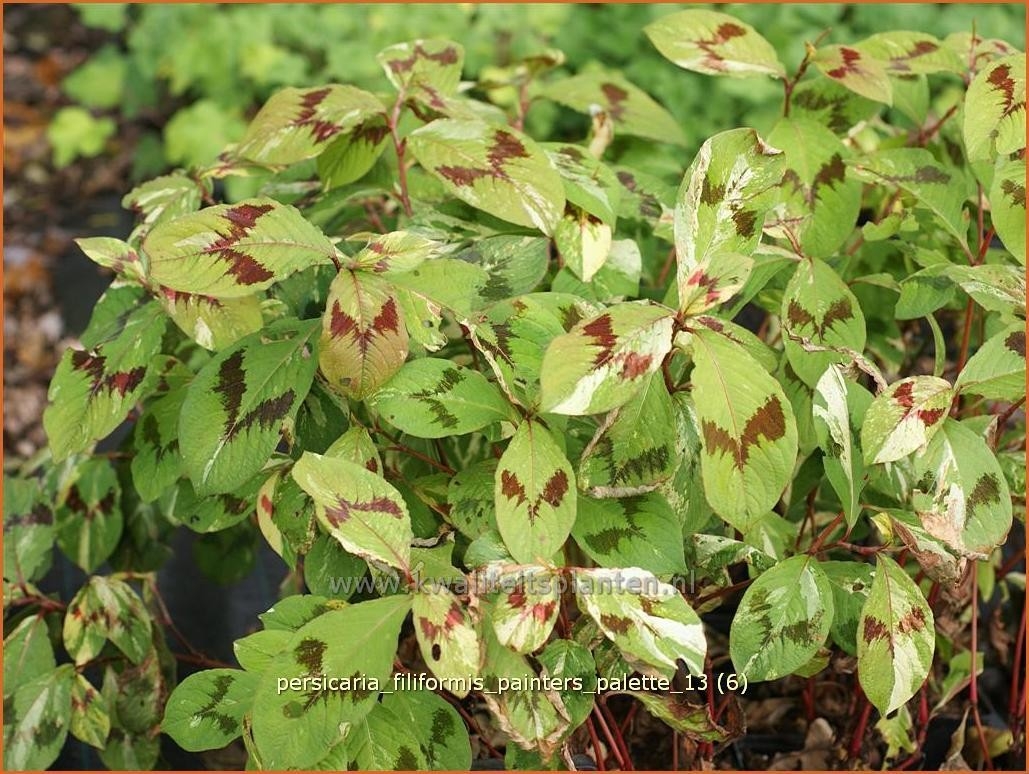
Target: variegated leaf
(838, 408)
(297, 124)
(713, 281)
(941, 562)
(429, 70)
(448, 637)
(994, 286)
(90, 520)
(296, 727)
(471, 499)
(356, 445)
(435, 723)
(639, 532)
(397, 251)
(714, 43)
(896, 638)
(514, 264)
(911, 53)
(818, 308)
(904, 418)
(748, 431)
(825, 102)
(997, 370)
(116, 255)
(584, 242)
(381, 741)
(93, 390)
(359, 508)
(495, 169)
(212, 323)
(630, 109)
(1007, 206)
(995, 110)
(647, 620)
(602, 362)
(234, 408)
(721, 204)
(535, 494)
(633, 450)
(36, 719)
(364, 340)
(434, 398)
(164, 198)
(856, 70)
(850, 582)
(90, 714)
(351, 156)
(527, 604)
(106, 609)
(588, 183)
(782, 621)
(205, 711)
(233, 250)
(820, 203)
(962, 496)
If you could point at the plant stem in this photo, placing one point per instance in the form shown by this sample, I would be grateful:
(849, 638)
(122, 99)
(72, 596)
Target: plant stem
(789, 84)
(1017, 678)
(400, 147)
(595, 741)
(824, 534)
(612, 745)
(859, 729)
(973, 688)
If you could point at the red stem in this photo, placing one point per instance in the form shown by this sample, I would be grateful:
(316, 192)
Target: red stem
(859, 730)
(400, 146)
(1017, 678)
(973, 692)
(595, 741)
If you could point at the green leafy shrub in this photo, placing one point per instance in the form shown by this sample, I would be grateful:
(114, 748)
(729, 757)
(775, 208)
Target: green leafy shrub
(495, 395)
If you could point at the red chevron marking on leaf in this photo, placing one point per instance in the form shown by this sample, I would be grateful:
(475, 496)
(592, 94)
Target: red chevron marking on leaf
(122, 382)
(725, 32)
(634, 365)
(616, 96)
(850, 58)
(505, 146)
(345, 509)
(906, 400)
(555, 488)
(242, 219)
(321, 129)
(511, 487)
(602, 333)
(1002, 81)
(768, 422)
(266, 413)
(447, 56)
(387, 319)
(1016, 343)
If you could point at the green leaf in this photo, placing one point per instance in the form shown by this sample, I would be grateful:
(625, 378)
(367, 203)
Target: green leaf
(295, 727)
(828, 103)
(904, 418)
(297, 124)
(833, 418)
(633, 450)
(1007, 206)
(327, 567)
(923, 292)
(434, 398)
(535, 494)
(36, 720)
(633, 532)
(447, 283)
(436, 725)
(896, 638)
(363, 339)
(966, 502)
(917, 172)
(29, 531)
(471, 500)
(291, 613)
(429, 70)
(997, 369)
(233, 250)
(584, 243)
(850, 582)
(820, 201)
(782, 621)
(90, 715)
(205, 711)
(568, 661)
(713, 281)
(256, 651)
(748, 431)
(448, 636)
(498, 170)
(819, 308)
(588, 183)
(352, 155)
(156, 463)
(212, 323)
(602, 362)
(94, 390)
(90, 521)
(527, 604)
(234, 408)
(359, 508)
(994, 287)
(630, 109)
(114, 254)
(380, 741)
(647, 620)
(106, 609)
(995, 110)
(721, 204)
(691, 720)
(74, 132)
(714, 43)
(164, 198)
(906, 53)
(856, 70)
(513, 264)
(28, 653)
(396, 251)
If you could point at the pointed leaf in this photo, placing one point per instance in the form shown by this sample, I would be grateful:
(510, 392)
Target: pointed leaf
(966, 502)
(995, 287)
(233, 250)
(212, 323)
(36, 720)
(297, 124)
(437, 726)
(114, 254)
(856, 70)
(633, 532)
(234, 408)
(714, 43)
(1007, 206)
(359, 508)
(448, 638)
(28, 653)
(896, 639)
(164, 198)
(783, 619)
(498, 170)
(535, 494)
(363, 340)
(433, 398)
(205, 711)
(713, 281)
(527, 605)
(748, 431)
(995, 110)
(106, 609)
(90, 521)
(29, 531)
(647, 620)
(90, 716)
(850, 582)
(397, 251)
(429, 70)
(997, 370)
(721, 204)
(829, 104)
(837, 436)
(584, 243)
(905, 53)
(602, 362)
(156, 462)
(904, 418)
(381, 742)
(588, 183)
(349, 157)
